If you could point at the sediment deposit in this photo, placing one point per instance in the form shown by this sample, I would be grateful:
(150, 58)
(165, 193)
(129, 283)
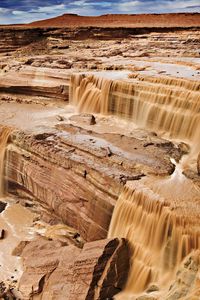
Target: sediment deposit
(100, 158)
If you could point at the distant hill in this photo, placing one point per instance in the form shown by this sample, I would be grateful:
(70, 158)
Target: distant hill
(141, 20)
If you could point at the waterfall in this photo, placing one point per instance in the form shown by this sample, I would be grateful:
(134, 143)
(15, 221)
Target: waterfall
(90, 93)
(160, 236)
(4, 135)
(160, 104)
(159, 217)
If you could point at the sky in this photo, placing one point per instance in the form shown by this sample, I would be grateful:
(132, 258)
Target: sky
(26, 11)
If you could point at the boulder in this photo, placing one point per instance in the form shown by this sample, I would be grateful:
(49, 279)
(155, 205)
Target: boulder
(98, 271)
(87, 119)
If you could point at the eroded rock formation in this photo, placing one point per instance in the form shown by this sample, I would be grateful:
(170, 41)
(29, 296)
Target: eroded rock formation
(94, 166)
(98, 271)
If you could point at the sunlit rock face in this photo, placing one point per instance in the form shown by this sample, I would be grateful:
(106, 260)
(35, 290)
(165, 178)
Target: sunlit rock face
(100, 140)
(90, 164)
(53, 271)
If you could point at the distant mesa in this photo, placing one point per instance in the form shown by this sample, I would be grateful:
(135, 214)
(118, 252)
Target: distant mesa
(122, 20)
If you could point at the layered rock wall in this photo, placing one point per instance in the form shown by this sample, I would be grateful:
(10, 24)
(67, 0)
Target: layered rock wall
(77, 175)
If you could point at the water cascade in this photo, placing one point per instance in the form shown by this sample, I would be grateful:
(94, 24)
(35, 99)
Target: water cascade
(160, 234)
(170, 106)
(159, 216)
(4, 135)
(90, 93)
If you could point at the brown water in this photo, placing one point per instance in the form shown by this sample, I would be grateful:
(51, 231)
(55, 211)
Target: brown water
(90, 93)
(4, 135)
(159, 216)
(15, 220)
(165, 105)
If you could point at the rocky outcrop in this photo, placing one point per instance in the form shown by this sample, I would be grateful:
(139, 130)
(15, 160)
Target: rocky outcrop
(25, 84)
(41, 39)
(98, 271)
(14, 39)
(186, 284)
(84, 173)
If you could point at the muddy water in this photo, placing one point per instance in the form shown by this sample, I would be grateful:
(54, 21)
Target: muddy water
(33, 116)
(160, 218)
(17, 222)
(164, 105)
(4, 134)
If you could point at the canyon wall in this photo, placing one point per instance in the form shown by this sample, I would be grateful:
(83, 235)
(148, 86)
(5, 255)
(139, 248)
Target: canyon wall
(14, 38)
(129, 172)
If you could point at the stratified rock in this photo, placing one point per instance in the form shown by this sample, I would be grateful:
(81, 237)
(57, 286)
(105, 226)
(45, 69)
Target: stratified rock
(84, 174)
(198, 164)
(99, 271)
(105, 270)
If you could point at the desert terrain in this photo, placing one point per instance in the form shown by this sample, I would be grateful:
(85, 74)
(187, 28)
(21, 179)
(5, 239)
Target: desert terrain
(100, 158)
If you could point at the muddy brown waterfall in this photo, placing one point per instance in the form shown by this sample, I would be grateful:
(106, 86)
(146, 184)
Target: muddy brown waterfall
(153, 215)
(4, 135)
(165, 105)
(160, 237)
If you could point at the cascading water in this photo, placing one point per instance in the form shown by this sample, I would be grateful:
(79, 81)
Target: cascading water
(161, 233)
(159, 216)
(164, 105)
(90, 93)
(4, 135)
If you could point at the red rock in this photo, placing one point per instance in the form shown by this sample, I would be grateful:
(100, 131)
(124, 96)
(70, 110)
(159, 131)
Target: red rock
(99, 271)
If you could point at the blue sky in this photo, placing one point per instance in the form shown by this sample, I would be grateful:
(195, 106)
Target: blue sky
(25, 11)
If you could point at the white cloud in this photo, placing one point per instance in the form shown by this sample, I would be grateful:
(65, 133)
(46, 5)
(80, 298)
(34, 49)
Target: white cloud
(38, 13)
(49, 9)
(128, 6)
(17, 12)
(83, 7)
(3, 10)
